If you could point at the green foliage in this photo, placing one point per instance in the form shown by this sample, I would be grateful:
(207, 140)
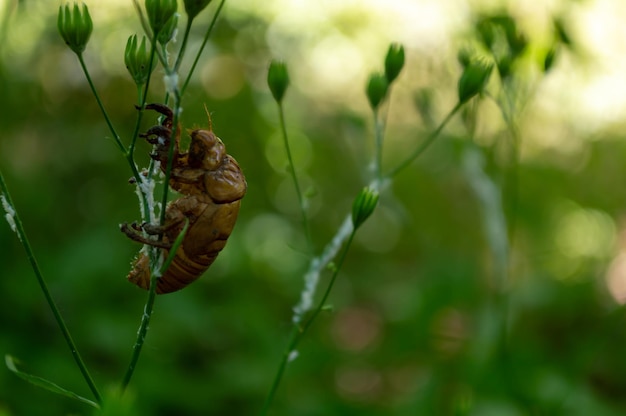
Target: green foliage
(420, 323)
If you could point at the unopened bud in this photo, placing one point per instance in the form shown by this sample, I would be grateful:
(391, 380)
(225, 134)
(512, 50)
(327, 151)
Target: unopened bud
(159, 12)
(376, 89)
(363, 206)
(278, 79)
(474, 78)
(169, 30)
(394, 61)
(193, 7)
(75, 26)
(137, 60)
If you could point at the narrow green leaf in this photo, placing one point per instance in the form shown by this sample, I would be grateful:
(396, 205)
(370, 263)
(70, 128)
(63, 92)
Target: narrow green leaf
(43, 383)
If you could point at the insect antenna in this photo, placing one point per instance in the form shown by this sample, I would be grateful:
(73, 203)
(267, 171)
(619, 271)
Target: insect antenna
(206, 110)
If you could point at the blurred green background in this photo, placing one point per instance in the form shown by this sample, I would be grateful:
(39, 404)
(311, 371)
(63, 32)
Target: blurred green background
(414, 330)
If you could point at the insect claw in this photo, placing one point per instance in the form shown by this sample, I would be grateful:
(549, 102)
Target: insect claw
(132, 180)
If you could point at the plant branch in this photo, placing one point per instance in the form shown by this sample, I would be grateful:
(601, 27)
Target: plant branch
(16, 224)
(204, 42)
(116, 137)
(292, 171)
(299, 330)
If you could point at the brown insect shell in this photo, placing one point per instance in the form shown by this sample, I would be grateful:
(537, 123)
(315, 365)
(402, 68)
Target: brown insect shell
(213, 185)
(206, 170)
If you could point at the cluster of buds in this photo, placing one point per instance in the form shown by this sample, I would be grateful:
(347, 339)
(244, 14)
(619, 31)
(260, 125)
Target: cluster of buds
(378, 84)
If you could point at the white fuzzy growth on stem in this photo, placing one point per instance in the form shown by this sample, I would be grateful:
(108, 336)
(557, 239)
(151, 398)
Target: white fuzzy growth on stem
(10, 213)
(311, 278)
(171, 83)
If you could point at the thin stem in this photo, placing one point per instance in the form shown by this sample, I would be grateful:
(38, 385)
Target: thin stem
(204, 42)
(118, 141)
(378, 148)
(170, 156)
(21, 233)
(130, 154)
(299, 330)
(292, 171)
(429, 140)
(183, 46)
(141, 335)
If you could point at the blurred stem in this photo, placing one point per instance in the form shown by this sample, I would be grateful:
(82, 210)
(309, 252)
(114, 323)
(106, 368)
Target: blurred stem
(204, 42)
(378, 150)
(21, 233)
(299, 329)
(183, 46)
(292, 171)
(429, 140)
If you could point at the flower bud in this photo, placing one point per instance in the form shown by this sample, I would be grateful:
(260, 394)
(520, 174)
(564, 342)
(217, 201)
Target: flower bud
(278, 79)
(159, 12)
(137, 60)
(363, 206)
(193, 7)
(474, 78)
(376, 89)
(169, 30)
(394, 61)
(548, 60)
(75, 26)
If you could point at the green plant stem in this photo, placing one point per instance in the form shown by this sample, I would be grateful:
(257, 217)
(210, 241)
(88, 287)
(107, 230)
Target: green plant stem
(344, 233)
(116, 137)
(142, 94)
(429, 140)
(378, 149)
(170, 157)
(292, 171)
(204, 42)
(21, 233)
(141, 335)
(299, 329)
(183, 46)
(145, 319)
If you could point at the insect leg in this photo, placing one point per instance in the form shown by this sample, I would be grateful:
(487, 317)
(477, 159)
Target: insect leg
(133, 234)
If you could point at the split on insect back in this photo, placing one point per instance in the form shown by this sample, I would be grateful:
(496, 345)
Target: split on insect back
(211, 186)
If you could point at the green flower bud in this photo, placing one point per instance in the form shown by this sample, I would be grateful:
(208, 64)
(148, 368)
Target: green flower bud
(137, 60)
(278, 79)
(394, 61)
(464, 56)
(75, 26)
(376, 89)
(474, 78)
(193, 7)
(169, 30)
(548, 61)
(363, 206)
(504, 65)
(159, 12)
